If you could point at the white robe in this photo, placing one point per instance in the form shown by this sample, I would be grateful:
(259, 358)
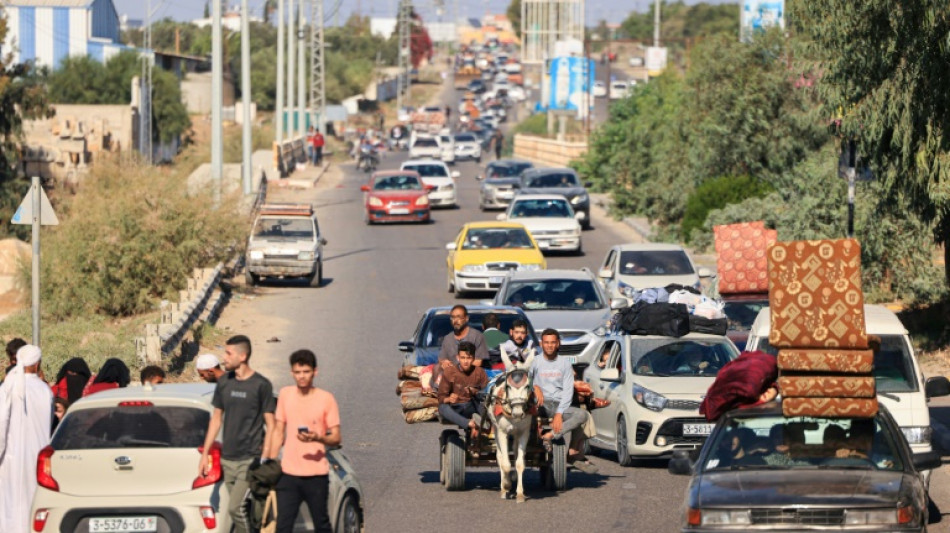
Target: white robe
(24, 431)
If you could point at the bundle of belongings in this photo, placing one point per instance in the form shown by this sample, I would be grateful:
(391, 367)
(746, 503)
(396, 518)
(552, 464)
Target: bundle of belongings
(741, 257)
(417, 392)
(671, 311)
(817, 311)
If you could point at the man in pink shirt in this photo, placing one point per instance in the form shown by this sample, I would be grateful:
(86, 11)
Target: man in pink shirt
(308, 420)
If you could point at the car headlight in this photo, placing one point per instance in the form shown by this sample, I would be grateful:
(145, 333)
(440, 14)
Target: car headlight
(715, 517)
(473, 268)
(872, 516)
(649, 399)
(256, 255)
(422, 200)
(375, 202)
(626, 290)
(579, 199)
(530, 266)
(918, 434)
(448, 187)
(305, 256)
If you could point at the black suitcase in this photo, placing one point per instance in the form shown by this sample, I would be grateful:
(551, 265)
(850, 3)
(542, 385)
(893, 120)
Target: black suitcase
(665, 319)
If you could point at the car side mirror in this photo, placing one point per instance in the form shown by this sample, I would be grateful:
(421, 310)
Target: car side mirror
(610, 374)
(680, 464)
(937, 386)
(618, 303)
(501, 216)
(323, 241)
(364, 188)
(450, 246)
(479, 177)
(605, 273)
(704, 272)
(456, 173)
(406, 346)
(927, 461)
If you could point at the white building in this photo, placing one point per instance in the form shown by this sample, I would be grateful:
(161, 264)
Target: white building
(439, 32)
(47, 31)
(230, 21)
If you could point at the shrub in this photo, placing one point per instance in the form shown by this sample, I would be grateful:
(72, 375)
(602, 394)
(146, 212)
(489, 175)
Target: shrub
(716, 194)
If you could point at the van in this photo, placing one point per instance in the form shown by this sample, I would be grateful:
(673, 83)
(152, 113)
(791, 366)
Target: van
(900, 383)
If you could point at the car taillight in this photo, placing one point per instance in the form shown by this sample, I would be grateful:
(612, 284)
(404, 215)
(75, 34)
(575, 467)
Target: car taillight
(207, 514)
(136, 403)
(214, 473)
(39, 519)
(694, 517)
(44, 469)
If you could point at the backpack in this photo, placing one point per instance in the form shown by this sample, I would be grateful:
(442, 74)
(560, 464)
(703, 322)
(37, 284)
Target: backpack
(740, 382)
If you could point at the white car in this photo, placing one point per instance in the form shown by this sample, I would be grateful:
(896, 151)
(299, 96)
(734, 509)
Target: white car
(516, 93)
(628, 268)
(655, 385)
(404, 113)
(127, 459)
(447, 144)
(467, 146)
(618, 90)
(549, 219)
(600, 89)
(437, 174)
(425, 146)
(513, 68)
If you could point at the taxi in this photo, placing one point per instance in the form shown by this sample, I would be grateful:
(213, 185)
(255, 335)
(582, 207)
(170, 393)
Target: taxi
(484, 252)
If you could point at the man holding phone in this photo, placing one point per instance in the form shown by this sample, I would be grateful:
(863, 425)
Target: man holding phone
(315, 417)
(460, 384)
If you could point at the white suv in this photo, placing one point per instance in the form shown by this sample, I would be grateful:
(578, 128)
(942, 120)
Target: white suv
(628, 268)
(127, 460)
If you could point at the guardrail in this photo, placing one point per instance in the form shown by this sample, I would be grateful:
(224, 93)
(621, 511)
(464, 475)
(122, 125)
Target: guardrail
(549, 152)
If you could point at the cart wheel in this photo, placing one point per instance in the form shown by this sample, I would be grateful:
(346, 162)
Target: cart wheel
(442, 462)
(454, 459)
(558, 466)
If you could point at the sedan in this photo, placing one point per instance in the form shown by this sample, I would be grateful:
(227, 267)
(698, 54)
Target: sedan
(484, 252)
(501, 183)
(425, 146)
(600, 89)
(468, 146)
(760, 470)
(396, 196)
(550, 220)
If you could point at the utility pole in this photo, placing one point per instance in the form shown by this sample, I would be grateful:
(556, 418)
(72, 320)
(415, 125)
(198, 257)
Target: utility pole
(279, 104)
(291, 38)
(656, 24)
(145, 95)
(217, 153)
(246, 97)
(405, 63)
(318, 97)
(301, 73)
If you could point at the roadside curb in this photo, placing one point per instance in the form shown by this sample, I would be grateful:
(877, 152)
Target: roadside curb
(302, 183)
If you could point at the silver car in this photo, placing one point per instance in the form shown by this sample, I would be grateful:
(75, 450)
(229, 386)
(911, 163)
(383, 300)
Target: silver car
(285, 243)
(628, 268)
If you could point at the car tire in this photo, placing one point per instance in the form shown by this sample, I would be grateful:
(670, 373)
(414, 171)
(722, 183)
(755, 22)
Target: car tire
(349, 520)
(478, 159)
(316, 279)
(250, 279)
(580, 249)
(451, 284)
(454, 459)
(623, 450)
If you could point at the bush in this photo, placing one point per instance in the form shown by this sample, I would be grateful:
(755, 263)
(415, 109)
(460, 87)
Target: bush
(716, 194)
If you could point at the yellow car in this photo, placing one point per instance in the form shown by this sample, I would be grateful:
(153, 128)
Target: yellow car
(484, 252)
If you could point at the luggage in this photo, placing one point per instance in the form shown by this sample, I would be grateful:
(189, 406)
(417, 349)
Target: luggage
(421, 415)
(740, 381)
(849, 361)
(827, 386)
(741, 257)
(712, 326)
(830, 407)
(665, 319)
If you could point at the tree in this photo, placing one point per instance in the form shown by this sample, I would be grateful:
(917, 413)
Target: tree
(207, 12)
(883, 76)
(514, 16)
(679, 21)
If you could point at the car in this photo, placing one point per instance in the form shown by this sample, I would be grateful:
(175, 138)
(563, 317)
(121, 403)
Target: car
(425, 146)
(396, 196)
(516, 93)
(423, 347)
(635, 62)
(484, 135)
(126, 460)
(404, 113)
(483, 252)
(897, 374)
(600, 89)
(513, 68)
(500, 183)
(447, 144)
(618, 90)
(285, 243)
(741, 310)
(467, 146)
(438, 175)
(550, 220)
(561, 181)
(629, 268)
(570, 301)
(654, 385)
(797, 482)
(477, 86)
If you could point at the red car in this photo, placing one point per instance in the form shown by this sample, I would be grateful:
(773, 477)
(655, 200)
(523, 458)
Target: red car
(396, 196)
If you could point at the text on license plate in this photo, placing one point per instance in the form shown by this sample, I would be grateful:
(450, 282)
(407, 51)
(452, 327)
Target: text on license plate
(697, 429)
(399, 211)
(124, 524)
(496, 279)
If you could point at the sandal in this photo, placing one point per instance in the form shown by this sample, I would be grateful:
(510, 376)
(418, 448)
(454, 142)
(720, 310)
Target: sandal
(585, 466)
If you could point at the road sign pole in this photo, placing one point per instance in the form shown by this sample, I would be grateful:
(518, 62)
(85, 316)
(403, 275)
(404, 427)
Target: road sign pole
(36, 259)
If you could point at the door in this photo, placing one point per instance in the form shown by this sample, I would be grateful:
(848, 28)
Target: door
(605, 417)
(609, 264)
(451, 256)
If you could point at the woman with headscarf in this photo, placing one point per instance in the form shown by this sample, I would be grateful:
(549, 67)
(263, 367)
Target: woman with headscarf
(113, 375)
(72, 378)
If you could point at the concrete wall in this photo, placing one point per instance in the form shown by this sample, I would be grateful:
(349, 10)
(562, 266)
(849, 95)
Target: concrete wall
(196, 92)
(549, 152)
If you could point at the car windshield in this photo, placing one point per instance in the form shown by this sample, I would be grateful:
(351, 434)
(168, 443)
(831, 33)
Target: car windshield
(681, 357)
(276, 228)
(802, 443)
(893, 369)
(439, 325)
(554, 208)
(492, 238)
(741, 314)
(554, 294)
(133, 426)
(425, 143)
(465, 138)
(429, 171)
(397, 183)
(565, 179)
(655, 263)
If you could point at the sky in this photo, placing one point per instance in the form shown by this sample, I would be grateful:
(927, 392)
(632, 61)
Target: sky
(610, 10)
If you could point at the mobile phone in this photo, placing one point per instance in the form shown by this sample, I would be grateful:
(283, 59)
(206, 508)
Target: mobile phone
(303, 429)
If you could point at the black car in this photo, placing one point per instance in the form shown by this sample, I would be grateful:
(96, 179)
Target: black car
(761, 470)
(477, 86)
(563, 181)
(423, 348)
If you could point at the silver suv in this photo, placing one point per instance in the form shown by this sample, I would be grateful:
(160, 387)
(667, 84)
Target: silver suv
(286, 243)
(570, 301)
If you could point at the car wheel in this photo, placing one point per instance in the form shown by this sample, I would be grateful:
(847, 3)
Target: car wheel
(250, 279)
(478, 159)
(451, 284)
(623, 452)
(315, 279)
(580, 248)
(349, 520)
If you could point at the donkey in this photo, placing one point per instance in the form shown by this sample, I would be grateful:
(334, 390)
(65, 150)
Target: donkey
(508, 413)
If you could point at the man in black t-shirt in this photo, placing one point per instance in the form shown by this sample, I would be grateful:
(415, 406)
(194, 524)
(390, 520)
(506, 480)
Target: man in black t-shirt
(245, 401)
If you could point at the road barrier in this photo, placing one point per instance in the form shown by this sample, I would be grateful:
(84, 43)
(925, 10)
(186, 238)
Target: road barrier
(547, 152)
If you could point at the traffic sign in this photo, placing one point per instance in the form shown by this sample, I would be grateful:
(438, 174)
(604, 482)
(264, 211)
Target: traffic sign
(24, 213)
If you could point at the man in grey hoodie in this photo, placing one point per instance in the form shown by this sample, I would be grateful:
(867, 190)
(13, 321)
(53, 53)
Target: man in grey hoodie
(555, 376)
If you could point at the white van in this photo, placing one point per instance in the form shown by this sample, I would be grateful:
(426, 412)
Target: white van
(900, 383)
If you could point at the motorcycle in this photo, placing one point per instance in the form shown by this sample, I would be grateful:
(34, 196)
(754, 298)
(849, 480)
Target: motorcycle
(368, 160)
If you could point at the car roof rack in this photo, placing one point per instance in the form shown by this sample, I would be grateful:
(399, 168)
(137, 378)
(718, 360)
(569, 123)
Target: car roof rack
(287, 209)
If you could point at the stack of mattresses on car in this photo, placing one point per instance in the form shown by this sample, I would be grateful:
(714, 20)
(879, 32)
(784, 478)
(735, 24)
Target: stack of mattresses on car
(817, 313)
(741, 257)
(416, 405)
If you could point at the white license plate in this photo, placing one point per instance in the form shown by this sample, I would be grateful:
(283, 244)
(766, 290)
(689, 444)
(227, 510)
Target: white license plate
(571, 358)
(544, 244)
(697, 429)
(399, 211)
(125, 524)
(496, 279)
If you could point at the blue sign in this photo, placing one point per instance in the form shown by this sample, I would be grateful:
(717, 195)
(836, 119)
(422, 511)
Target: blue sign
(759, 15)
(571, 79)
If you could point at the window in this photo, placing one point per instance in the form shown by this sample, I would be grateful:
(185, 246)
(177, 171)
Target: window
(494, 238)
(553, 180)
(465, 138)
(273, 228)
(397, 183)
(655, 263)
(428, 170)
(132, 427)
(741, 314)
(439, 326)
(541, 208)
(554, 294)
(425, 143)
(663, 357)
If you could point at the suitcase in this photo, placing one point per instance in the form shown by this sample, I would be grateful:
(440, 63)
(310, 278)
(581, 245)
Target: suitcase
(741, 257)
(712, 326)
(827, 386)
(830, 407)
(815, 294)
(835, 361)
(664, 319)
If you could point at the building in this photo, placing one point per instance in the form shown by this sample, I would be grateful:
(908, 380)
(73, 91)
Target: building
(230, 21)
(47, 31)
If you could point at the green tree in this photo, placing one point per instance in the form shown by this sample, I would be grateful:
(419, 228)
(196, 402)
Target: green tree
(514, 16)
(679, 21)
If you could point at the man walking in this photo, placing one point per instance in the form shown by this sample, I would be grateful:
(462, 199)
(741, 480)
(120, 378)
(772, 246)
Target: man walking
(318, 142)
(26, 411)
(308, 420)
(498, 140)
(245, 400)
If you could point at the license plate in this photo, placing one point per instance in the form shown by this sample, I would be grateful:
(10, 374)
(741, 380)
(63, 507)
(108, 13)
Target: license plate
(544, 244)
(125, 524)
(495, 279)
(399, 211)
(697, 429)
(571, 358)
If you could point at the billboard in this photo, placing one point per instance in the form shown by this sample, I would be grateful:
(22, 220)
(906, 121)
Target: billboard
(569, 83)
(757, 15)
(656, 60)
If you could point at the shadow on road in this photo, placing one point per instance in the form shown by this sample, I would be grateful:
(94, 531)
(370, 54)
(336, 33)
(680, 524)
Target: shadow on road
(490, 480)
